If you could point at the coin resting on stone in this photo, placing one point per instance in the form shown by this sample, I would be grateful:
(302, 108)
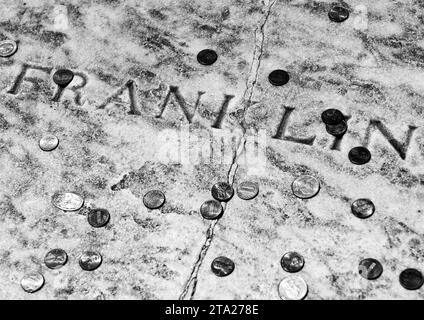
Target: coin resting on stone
(337, 130)
(67, 201)
(292, 262)
(63, 77)
(222, 191)
(278, 77)
(370, 269)
(338, 13)
(55, 258)
(222, 266)
(247, 190)
(90, 260)
(154, 199)
(8, 48)
(305, 186)
(411, 279)
(211, 209)
(207, 57)
(363, 208)
(359, 155)
(98, 218)
(32, 282)
(332, 116)
(292, 288)
(48, 142)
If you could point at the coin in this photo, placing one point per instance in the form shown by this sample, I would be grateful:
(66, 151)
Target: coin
(278, 77)
(338, 13)
(292, 288)
(55, 258)
(247, 190)
(32, 282)
(292, 262)
(305, 186)
(8, 48)
(90, 260)
(222, 191)
(362, 208)
(98, 217)
(222, 266)
(63, 77)
(67, 201)
(154, 199)
(332, 116)
(48, 142)
(211, 209)
(359, 155)
(411, 279)
(337, 130)
(207, 57)
(370, 269)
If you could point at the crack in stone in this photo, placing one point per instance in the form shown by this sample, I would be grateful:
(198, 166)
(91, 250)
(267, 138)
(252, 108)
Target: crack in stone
(191, 284)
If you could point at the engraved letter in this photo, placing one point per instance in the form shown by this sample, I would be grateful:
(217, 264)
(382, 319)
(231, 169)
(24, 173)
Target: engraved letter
(132, 90)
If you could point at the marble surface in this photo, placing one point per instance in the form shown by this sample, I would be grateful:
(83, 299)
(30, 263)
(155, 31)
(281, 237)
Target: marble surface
(120, 136)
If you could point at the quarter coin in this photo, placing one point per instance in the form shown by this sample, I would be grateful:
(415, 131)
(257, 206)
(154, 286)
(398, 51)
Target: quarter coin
(292, 262)
(48, 142)
(359, 155)
(98, 217)
(278, 77)
(8, 48)
(305, 186)
(411, 279)
(293, 288)
(362, 208)
(211, 209)
(247, 190)
(207, 57)
(55, 258)
(154, 199)
(222, 191)
(63, 77)
(67, 201)
(370, 269)
(332, 116)
(32, 282)
(90, 260)
(222, 266)
(337, 130)
(338, 13)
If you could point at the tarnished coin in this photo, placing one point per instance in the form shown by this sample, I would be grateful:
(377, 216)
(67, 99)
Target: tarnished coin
(211, 209)
(362, 208)
(207, 57)
(293, 288)
(32, 282)
(292, 262)
(222, 191)
(332, 116)
(359, 155)
(55, 258)
(98, 217)
(370, 269)
(222, 266)
(67, 201)
(90, 260)
(8, 48)
(338, 13)
(337, 130)
(63, 77)
(154, 199)
(48, 142)
(411, 279)
(247, 190)
(305, 186)
(278, 77)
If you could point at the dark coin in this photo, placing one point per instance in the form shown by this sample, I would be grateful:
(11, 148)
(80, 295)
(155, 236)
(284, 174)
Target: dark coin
(222, 266)
(337, 130)
(63, 77)
(278, 77)
(411, 279)
(332, 116)
(359, 155)
(211, 209)
(98, 217)
(154, 199)
(90, 260)
(207, 57)
(55, 258)
(222, 191)
(362, 208)
(370, 269)
(247, 190)
(292, 262)
(338, 13)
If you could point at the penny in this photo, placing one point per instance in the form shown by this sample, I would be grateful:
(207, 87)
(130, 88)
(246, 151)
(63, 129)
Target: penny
(292, 288)
(359, 155)
(32, 282)
(362, 208)
(337, 130)
(211, 209)
(411, 279)
(332, 116)
(63, 77)
(338, 13)
(207, 57)
(48, 142)
(222, 191)
(222, 266)
(98, 218)
(55, 258)
(67, 201)
(247, 190)
(292, 262)
(8, 48)
(305, 186)
(154, 199)
(90, 260)
(278, 77)
(370, 269)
